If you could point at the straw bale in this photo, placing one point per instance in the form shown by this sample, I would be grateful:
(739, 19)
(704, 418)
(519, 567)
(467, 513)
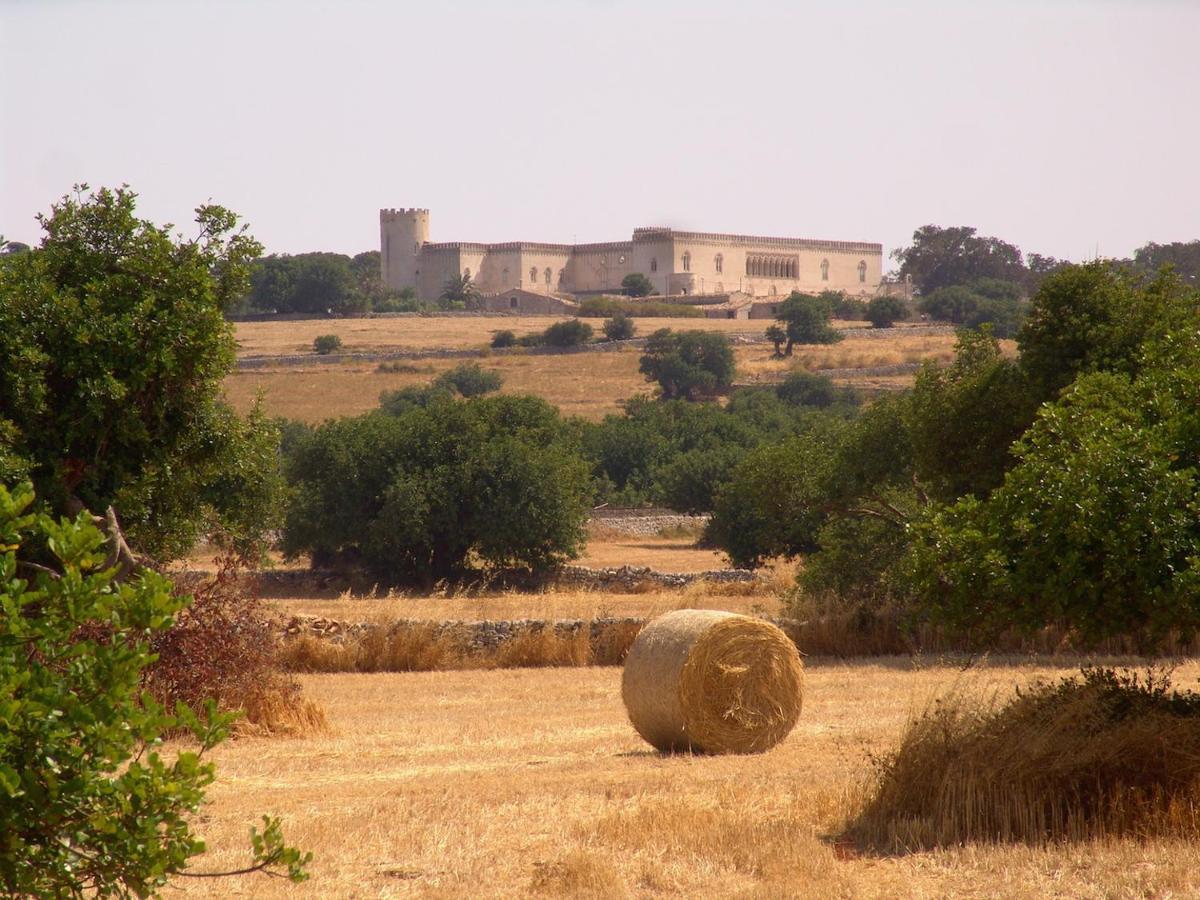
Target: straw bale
(708, 681)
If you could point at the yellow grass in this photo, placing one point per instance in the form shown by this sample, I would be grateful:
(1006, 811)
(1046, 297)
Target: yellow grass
(589, 385)
(523, 782)
(430, 333)
(558, 604)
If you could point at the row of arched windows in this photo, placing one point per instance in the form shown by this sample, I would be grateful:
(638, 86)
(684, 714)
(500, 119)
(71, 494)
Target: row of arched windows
(773, 266)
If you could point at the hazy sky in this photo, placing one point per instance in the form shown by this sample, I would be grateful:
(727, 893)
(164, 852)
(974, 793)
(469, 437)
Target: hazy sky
(1061, 125)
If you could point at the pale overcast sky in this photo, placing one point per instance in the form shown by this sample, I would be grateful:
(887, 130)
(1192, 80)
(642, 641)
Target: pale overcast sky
(1062, 125)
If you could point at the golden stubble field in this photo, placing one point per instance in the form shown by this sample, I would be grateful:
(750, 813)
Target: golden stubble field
(591, 385)
(526, 783)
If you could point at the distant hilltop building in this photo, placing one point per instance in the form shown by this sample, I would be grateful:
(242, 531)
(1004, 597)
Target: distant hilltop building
(676, 262)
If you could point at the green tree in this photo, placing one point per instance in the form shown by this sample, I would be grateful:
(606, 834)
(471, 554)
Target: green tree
(635, 284)
(1095, 317)
(884, 312)
(324, 344)
(459, 290)
(113, 348)
(777, 336)
(504, 338)
(619, 328)
(317, 283)
(469, 380)
(805, 319)
(945, 257)
(1183, 257)
(962, 419)
(88, 806)
(435, 490)
(1096, 525)
(690, 365)
(569, 333)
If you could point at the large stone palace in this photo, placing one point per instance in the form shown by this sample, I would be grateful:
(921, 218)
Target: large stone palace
(676, 262)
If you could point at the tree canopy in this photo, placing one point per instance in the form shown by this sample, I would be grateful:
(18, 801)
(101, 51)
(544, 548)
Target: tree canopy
(113, 346)
(690, 365)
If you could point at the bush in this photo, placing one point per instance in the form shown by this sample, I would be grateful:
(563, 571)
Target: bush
(325, 344)
(570, 333)
(690, 365)
(883, 312)
(504, 338)
(468, 380)
(1097, 756)
(805, 319)
(619, 328)
(436, 491)
(806, 389)
(607, 307)
(635, 284)
(87, 804)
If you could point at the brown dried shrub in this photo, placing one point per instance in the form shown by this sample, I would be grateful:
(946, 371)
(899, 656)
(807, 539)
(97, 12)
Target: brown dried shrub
(1108, 754)
(224, 647)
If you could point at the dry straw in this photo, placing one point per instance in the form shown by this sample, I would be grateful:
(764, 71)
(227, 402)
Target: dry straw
(708, 681)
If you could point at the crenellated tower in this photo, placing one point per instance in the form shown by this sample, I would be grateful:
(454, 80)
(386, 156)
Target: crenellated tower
(402, 232)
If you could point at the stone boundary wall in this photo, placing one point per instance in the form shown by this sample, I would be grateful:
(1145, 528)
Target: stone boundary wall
(273, 582)
(486, 635)
(647, 523)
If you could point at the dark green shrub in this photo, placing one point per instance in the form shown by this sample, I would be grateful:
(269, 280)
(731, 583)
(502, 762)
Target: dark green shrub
(437, 490)
(619, 328)
(469, 380)
(884, 312)
(635, 284)
(504, 338)
(690, 365)
(570, 333)
(607, 307)
(326, 343)
(806, 389)
(805, 319)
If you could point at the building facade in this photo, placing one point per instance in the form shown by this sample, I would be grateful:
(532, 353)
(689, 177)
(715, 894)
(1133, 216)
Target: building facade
(676, 262)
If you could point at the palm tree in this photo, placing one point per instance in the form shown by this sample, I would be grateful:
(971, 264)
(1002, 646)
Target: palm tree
(460, 288)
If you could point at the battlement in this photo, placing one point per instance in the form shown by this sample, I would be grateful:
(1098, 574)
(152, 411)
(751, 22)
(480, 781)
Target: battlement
(393, 215)
(659, 233)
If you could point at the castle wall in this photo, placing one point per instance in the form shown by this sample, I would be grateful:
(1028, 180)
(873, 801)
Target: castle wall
(676, 262)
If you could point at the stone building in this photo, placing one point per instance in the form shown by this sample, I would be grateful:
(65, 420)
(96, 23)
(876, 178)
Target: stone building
(676, 262)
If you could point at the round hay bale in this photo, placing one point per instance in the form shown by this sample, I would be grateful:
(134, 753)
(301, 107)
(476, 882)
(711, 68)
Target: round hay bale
(707, 681)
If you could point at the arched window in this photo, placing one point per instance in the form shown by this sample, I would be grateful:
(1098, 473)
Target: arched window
(504, 277)
(562, 273)
(654, 264)
(687, 262)
(513, 302)
(862, 270)
(719, 264)
(533, 274)
(547, 274)
(824, 270)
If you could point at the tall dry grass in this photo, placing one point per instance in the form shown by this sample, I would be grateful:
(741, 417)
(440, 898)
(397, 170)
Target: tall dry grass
(428, 647)
(1102, 755)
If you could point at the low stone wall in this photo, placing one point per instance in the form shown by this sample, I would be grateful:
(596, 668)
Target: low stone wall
(487, 635)
(646, 522)
(630, 578)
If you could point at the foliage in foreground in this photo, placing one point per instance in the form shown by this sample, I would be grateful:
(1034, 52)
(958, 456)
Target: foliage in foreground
(88, 806)
(1099, 755)
(113, 347)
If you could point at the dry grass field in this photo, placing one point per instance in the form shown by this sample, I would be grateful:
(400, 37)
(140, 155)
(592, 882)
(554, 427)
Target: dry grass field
(589, 385)
(530, 783)
(433, 332)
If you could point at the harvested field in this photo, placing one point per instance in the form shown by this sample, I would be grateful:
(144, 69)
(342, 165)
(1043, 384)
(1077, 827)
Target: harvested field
(435, 332)
(589, 385)
(559, 604)
(526, 782)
